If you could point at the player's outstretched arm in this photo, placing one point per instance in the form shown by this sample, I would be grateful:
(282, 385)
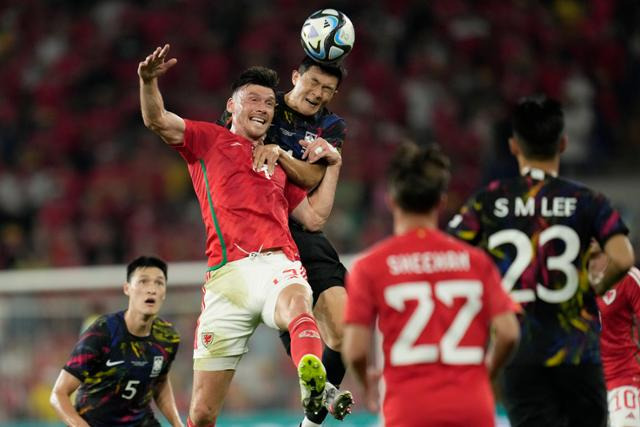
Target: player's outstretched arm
(621, 258)
(166, 402)
(314, 211)
(169, 126)
(60, 399)
(506, 333)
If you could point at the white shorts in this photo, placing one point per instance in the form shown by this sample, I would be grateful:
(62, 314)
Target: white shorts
(624, 406)
(236, 299)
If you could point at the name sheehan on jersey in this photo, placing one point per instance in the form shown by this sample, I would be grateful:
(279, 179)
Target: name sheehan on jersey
(546, 206)
(428, 262)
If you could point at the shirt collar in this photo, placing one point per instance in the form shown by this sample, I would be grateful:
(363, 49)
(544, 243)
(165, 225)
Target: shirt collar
(536, 173)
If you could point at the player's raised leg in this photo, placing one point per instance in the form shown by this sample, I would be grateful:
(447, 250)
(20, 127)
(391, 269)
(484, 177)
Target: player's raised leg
(293, 313)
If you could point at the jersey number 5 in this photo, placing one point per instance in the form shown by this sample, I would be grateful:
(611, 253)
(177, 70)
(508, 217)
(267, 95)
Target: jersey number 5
(405, 351)
(524, 254)
(130, 390)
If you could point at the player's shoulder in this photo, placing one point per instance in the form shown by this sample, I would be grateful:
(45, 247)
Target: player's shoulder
(371, 257)
(416, 241)
(100, 327)
(330, 121)
(204, 126)
(632, 279)
(329, 116)
(493, 189)
(165, 331)
(571, 185)
(96, 322)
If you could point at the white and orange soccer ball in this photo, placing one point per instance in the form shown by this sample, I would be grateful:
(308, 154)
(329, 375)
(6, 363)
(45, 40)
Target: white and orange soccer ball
(327, 36)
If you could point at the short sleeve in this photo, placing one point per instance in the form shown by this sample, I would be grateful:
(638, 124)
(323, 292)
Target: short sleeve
(496, 299)
(172, 355)
(632, 289)
(89, 351)
(198, 138)
(466, 225)
(361, 307)
(294, 195)
(607, 221)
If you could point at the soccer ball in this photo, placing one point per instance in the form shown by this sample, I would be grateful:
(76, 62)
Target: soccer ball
(327, 36)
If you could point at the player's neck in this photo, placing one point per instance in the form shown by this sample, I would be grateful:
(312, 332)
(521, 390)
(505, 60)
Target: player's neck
(138, 324)
(550, 167)
(243, 134)
(403, 222)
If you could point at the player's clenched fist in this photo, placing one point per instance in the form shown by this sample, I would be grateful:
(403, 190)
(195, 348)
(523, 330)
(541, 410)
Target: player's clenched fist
(155, 65)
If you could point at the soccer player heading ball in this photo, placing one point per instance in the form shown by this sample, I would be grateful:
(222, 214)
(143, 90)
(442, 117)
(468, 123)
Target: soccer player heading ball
(254, 274)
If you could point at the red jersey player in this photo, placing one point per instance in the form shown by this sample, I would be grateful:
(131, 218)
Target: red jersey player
(254, 274)
(619, 342)
(436, 300)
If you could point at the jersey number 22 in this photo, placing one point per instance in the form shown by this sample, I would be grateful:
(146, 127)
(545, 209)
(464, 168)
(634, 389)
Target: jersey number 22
(405, 351)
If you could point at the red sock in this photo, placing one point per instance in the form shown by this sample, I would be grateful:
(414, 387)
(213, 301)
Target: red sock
(191, 424)
(305, 338)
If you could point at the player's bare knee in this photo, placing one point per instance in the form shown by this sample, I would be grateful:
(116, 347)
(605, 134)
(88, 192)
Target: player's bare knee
(298, 304)
(203, 415)
(292, 302)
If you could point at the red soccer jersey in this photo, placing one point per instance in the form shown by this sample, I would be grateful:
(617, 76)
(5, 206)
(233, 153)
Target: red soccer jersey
(434, 298)
(243, 210)
(619, 340)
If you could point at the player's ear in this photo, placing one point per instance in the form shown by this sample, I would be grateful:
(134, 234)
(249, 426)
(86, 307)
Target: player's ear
(230, 105)
(564, 141)
(295, 76)
(125, 288)
(514, 148)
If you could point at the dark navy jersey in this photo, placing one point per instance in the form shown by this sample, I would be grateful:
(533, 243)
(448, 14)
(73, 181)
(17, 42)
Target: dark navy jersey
(289, 127)
(537, 228)
(119, 371)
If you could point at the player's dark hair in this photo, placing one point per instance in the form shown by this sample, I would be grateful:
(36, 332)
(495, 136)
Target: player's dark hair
(146, 261)
(538, 124)
(335, 70)
(418, 177)
(256, 75)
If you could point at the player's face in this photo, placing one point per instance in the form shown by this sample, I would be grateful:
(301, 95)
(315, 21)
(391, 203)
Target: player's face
(252, 108)
(311, 91)
(147, 290)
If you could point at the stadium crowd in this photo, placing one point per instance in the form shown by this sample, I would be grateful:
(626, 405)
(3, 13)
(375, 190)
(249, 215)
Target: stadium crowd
(81, 180)
(83, 183)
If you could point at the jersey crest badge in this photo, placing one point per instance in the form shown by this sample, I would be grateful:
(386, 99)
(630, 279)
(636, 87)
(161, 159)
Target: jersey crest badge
(609, 297)
(310, 136)
(207, 338)
(157, 366)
